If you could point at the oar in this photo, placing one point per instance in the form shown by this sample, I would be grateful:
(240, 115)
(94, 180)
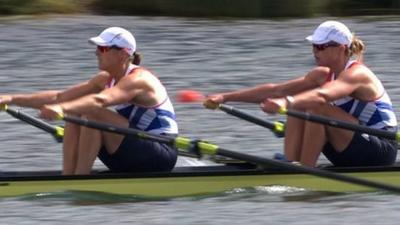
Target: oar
(212, 149)
(56, 131)
(189, 96)
(341, 124)
(278, 128)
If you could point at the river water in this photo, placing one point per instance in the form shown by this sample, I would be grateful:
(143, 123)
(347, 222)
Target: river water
(205, 55)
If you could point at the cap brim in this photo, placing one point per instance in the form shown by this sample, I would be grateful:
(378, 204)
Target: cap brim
(98, 41)
(314, 40)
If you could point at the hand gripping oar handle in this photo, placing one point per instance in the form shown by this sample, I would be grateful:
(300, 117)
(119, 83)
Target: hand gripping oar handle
(211, 149)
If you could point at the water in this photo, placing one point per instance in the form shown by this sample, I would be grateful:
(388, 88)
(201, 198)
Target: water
(208, 56)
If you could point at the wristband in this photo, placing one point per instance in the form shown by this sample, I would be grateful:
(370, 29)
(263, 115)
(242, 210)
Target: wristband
(289, 100)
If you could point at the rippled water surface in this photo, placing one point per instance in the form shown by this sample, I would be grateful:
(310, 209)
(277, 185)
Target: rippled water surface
(208, 56)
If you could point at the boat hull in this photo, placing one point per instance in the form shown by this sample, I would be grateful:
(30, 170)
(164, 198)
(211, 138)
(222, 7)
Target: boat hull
(188, 181)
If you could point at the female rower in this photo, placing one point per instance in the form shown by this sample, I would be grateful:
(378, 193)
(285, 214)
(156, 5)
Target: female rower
(337, 87)
(140, 101)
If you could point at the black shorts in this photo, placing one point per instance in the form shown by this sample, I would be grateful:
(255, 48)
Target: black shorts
(363, 150)
(139, 155)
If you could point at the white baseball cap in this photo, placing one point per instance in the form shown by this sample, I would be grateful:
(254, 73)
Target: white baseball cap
(331, 31)
(116, 36)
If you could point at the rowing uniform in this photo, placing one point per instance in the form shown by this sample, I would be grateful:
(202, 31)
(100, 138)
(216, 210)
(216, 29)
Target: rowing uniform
(364, 149)
(138, 155)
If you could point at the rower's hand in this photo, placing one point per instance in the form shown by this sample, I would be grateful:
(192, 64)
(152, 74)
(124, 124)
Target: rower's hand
(273, 105)
(213, 101)
(5, 100)
(51, 112)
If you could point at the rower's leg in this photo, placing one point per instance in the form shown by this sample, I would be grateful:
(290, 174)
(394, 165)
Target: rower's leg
(70, 148)
(89, 145)
(92, 140)
(293, 138)
(317, 135)
(314, 140)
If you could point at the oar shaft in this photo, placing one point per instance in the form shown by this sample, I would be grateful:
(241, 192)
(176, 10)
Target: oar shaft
(31, 120)
(342, 124)
(56, 131)
(119, 130)
(277, 127)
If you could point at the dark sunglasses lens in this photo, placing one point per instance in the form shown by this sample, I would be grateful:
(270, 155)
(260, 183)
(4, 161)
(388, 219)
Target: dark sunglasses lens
(319, 47)
(324, 46)
(102, 49)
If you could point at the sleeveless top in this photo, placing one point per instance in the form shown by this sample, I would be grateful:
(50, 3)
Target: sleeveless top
(377, 114)
(158, 119)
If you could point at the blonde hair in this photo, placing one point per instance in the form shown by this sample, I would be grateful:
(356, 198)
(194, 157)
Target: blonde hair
(357, 48)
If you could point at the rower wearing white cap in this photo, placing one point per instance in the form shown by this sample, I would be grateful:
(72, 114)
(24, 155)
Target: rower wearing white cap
(339, 87)
(140, 102)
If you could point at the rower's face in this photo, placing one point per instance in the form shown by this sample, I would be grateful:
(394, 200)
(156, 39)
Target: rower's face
(325, 54)
(106, 57)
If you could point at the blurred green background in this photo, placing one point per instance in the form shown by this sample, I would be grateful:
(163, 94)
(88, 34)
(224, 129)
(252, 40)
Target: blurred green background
(205, 8)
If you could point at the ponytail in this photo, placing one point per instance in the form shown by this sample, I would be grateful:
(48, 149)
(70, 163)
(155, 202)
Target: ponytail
(136, 58)
(357, 48)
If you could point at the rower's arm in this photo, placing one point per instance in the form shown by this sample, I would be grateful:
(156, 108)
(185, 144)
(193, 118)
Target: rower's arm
(35, 100)
(38, 99)
(259, 93)
(346, 85)
(127, 89)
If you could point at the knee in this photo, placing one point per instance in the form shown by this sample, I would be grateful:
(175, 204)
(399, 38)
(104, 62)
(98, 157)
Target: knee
(324, 109)
(93, 115)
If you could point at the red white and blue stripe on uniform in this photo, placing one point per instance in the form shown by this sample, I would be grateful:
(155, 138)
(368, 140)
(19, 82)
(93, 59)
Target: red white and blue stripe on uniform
(159, 119)
(378, 113)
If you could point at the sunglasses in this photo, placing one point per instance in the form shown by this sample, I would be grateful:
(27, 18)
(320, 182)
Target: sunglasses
(104, 49)
(322, 47)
